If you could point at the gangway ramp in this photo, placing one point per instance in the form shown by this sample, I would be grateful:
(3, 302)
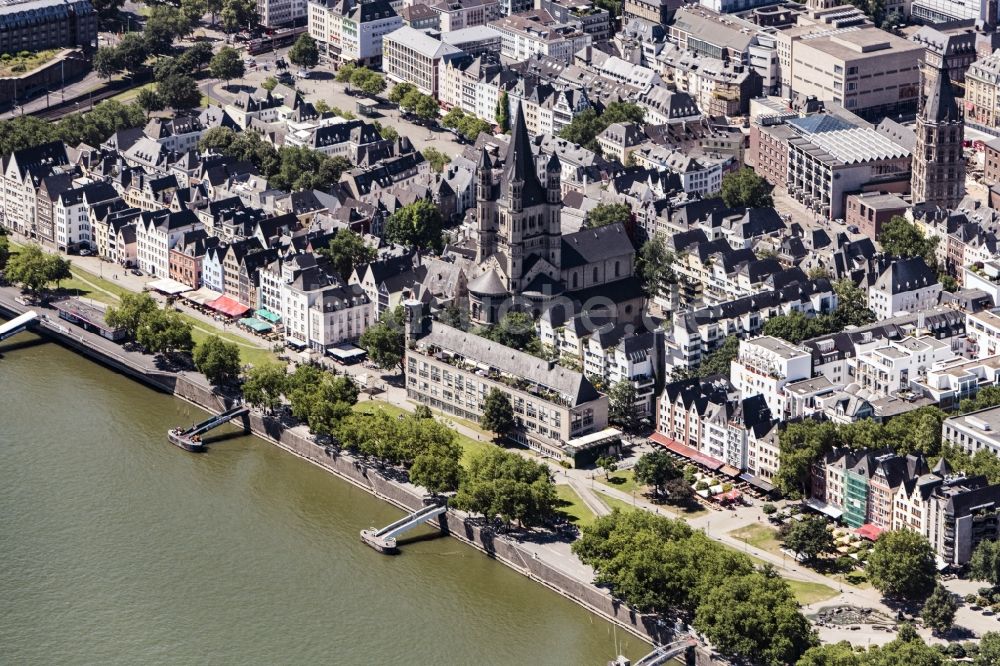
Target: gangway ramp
(190, 439)
(384, 540)
(18, 324)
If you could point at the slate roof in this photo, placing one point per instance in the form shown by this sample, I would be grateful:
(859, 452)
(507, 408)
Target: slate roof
(572, 385)
(588, 246)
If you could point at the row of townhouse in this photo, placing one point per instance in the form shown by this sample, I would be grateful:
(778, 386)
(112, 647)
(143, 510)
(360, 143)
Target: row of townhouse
(886, 491)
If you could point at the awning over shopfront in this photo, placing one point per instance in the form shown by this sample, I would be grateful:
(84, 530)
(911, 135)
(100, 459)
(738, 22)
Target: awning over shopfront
(168, 286)
(730, 496)
(824, 508)
(692, 454)
(202, 296)
(227, 306)
(268, 316)
(869, 531)
(346, 352)
(757, 482)
(256, 324)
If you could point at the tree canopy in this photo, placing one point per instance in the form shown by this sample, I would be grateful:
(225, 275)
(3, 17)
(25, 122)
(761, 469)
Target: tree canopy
(218, 360)
(654, 266)
(586, 125)
(809, 537)
(384, 341)
(164, 332)
(227, 64)
(504, 485)
(129, 312)
(901, 565)
(622, 399)
(901, 238)
(985, 562)
(498, 415)
(417, 224)
(745, 189)
(609, 213)
(34, 269)
(264, 385)
(346, 251)
(304, 52)
(939, 610)
(656, 469)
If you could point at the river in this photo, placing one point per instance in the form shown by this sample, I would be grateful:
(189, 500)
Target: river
(118, 548)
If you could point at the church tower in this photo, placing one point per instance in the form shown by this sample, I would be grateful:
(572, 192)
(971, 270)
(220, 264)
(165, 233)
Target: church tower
(938, 175)
(486, 208)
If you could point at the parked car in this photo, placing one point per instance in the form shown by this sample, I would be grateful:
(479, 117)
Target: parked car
(303, 74)
(84, 252)
(136, 272)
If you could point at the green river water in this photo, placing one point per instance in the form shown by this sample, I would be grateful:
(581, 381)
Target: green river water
(118, 548)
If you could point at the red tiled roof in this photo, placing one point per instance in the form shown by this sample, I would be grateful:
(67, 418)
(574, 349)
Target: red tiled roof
(869, 531)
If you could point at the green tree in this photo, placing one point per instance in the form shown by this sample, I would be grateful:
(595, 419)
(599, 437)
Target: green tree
(346, 251)
(907, 649)
(656, 469)
(4, 251)
(503, 112)
(852, 305)
(369, 82)
(132, 51)
(163, 25)
(604, 213)
(106, 62)
(515, 330)
(989, 650)
(745, 189)
(194, 9)
(837, 654)
(218, 360)
(499, 484)
(901, 238)
(107, 9)
(400, 91)
(416, 225)
(799, 445)
(939, 610)
(384, 341)
(437, 470)
(435, 158)
(985, 562)
(901, 565)
(622, 400)
(796, 326)
(755, 617)
(227, 65)
(427, 108)
(237, 14)
(149, 100)
(164, 332)
(197, 57)
(654, 265)
(179, 92)
(127, 315)
(453, 315)
(585, 126)
(809, 537)
(718, 361)
(498, 415)
(304, 52)
(264, 385)
(608, 464)
(34, 270)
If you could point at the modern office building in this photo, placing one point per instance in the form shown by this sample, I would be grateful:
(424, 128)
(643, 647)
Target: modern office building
(411, 56)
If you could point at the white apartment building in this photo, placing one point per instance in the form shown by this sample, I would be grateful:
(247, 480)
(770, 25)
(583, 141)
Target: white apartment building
(351, 31)
(341, 314)
(764, 366)
(411, 56)
(536, 32)
(982, 329)
(71, 214)
(890, 368)
(156, 233)
(278, 13)
(907, 285)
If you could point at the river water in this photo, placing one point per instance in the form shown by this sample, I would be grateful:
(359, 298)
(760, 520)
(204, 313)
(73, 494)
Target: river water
(118, 548)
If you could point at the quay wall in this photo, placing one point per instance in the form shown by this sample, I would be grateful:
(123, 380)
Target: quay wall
(193, 388)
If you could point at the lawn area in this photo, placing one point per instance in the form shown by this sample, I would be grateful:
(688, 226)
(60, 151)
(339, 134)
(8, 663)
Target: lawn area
(469, 445)
(759, 536)
(570, 505)
(14, 64)
(624, 481)
(129, 95)
(615, 503)
(810, 593)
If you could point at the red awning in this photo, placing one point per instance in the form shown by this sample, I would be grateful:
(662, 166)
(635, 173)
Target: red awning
(228, 306)
(869, 531)
(692, 454)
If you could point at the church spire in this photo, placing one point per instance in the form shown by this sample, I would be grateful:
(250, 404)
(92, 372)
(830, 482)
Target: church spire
(940, 105)
(519, 163)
